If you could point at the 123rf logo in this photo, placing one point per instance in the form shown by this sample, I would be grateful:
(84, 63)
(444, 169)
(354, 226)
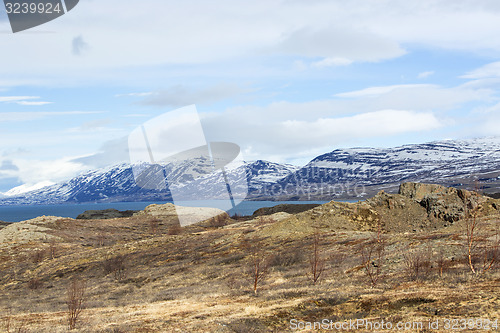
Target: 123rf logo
(26, 14)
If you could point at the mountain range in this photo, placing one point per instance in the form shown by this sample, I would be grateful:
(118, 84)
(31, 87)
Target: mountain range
(340, 174)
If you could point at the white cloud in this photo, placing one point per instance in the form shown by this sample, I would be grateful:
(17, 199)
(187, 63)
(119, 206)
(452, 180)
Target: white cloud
(180, 95)
(283, 137)
(329, 62)
(194, 32)
(28, 116)
(32, 172)
(424, 75)
(282, 130)
(142, 94)
(377, 91)
(416, 97)
(28, 103)
(110, 153)
(339, 45)
(9, 99)
(23, 100)
(370, 124)
(491, 70)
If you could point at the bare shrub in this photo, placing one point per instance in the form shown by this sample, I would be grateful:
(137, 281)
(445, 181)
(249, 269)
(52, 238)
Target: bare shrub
(235, 283)
(317, 260)
(372, 258)
(441, 263)
(263, 220)
(219, 221)
(154, 225)
(337, 259)
(482, 254)
(237, 217)
(116, 266)
(489, 254)
(287, 258)
(417, 263)
(413, 261)
(52, 249)
(75, 301)
(38, 256)
(259, 261)
(101, 240)
(34, 283)
(174, 229)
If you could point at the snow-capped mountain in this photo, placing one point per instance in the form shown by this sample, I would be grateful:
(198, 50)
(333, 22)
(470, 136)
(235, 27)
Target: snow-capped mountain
(449, 162)
(118, 183)
(342, 173)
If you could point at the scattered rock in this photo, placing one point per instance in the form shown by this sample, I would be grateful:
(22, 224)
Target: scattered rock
(286, 208)
(105, 214)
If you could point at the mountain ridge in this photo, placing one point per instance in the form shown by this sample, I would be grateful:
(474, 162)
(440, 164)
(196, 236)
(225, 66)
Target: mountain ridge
(340, 174)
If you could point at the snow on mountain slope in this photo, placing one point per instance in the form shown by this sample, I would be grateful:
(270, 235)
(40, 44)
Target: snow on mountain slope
(435, 162)
(117, 183)
(26, 188)
(446, 162)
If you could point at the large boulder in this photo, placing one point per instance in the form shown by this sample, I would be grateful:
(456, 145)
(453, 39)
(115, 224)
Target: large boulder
(448, 203)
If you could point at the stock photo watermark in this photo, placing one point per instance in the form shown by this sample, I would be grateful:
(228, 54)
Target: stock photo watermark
(171, 152)
(27, 14)
(454, 324)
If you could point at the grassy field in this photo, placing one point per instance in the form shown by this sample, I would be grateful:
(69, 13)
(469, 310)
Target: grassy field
(146, 274)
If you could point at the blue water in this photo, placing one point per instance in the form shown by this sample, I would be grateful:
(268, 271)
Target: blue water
(22, 213)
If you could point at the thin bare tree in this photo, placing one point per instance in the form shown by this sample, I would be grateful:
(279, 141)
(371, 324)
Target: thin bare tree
(490, 254)
(75, 300)
(317, 260)
(372, 258)
(259, 261)
(441, 263)
(471, 230)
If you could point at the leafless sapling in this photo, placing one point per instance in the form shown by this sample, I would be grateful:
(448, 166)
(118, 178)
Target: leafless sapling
(372, 258)
(471, 230)
(317, 261)
(490, 254)
(75, 299)
(259, 261)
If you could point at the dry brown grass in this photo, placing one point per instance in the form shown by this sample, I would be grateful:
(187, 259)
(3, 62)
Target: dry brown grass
(198, 281)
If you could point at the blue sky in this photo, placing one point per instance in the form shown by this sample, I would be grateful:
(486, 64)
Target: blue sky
(287, 80)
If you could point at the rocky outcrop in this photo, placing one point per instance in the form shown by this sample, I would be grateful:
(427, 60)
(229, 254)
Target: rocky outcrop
(4, 224)
(493, 195)
(448, 203)
(286, 208)
(417, 207)
(186, 215)
(105, 214)
(28, 231)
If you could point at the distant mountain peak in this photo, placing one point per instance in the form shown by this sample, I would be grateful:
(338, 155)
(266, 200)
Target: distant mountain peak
(341, 173)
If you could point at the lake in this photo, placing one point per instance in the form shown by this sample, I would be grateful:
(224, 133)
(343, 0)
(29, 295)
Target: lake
(26, 212)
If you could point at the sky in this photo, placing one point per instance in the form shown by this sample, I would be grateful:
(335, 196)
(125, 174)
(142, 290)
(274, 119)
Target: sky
(286, 80)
